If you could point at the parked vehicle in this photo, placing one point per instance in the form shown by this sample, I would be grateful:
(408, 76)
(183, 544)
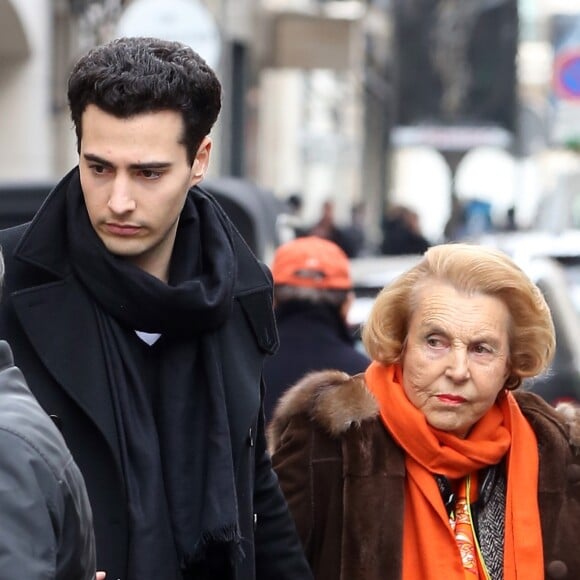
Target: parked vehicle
(561, 381)
(19, 201)
(562, 246)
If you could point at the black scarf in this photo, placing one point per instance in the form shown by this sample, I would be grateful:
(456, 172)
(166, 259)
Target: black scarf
(175, 445)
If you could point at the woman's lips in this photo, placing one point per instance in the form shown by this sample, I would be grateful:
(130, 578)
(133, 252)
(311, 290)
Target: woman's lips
(451, 399)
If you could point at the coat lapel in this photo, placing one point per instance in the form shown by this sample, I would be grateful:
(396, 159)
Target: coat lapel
(60, 323)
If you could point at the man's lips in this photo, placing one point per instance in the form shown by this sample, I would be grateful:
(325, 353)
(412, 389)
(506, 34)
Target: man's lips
(122, 229)
(451, 399)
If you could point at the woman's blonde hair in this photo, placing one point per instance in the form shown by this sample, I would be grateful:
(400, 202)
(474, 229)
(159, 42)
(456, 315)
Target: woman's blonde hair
(470, 269)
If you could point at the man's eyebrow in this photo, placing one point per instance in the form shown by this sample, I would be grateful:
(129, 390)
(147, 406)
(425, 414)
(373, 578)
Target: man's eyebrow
(150, 165)
(132, 166)
(97, 159)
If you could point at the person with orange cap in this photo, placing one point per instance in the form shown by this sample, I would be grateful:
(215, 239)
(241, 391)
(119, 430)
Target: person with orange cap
(312, 295)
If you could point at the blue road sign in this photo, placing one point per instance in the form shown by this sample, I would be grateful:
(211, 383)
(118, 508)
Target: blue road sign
(567, 75)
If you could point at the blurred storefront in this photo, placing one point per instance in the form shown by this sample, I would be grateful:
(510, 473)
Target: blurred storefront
(324, 98)
(26, 130)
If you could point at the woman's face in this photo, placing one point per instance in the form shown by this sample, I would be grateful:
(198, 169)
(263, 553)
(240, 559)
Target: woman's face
(456, 356)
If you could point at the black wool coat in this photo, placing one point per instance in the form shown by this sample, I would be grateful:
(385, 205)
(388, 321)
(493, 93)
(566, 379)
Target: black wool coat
(50, 323)
(313, 337)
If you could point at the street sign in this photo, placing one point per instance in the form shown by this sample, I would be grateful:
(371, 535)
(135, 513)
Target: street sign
(567, 74)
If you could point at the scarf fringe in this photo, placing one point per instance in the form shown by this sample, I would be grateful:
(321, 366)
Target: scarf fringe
(229, 536)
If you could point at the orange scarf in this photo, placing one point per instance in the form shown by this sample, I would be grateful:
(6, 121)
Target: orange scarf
(429, 548)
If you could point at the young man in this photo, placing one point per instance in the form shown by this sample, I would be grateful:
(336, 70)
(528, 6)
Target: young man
(141, 320)
(312, 293)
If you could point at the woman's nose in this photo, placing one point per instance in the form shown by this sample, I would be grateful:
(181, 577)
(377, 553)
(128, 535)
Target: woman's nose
(458, 367)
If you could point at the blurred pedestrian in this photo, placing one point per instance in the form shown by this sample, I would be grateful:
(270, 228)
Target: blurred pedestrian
(354, 234)
(47, 525)
(141, 320)
(477, 218)
(294, 204)
(312, 296)
(290, 223)
(402, 232)
(511, 224)
(327, 228)
(454, 230)
(434, 464)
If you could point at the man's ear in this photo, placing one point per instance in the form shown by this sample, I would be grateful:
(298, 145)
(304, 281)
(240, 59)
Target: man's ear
(201, 161)
(345, 307)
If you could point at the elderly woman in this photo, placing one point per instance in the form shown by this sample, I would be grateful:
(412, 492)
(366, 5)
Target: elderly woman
(431, 465)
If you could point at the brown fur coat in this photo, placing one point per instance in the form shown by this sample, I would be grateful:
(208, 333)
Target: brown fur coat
(343, 477)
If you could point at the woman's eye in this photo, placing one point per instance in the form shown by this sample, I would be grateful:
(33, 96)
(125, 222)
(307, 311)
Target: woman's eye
(481, 349)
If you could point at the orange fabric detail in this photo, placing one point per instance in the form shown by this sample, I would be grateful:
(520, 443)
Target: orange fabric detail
(462, 527)
(429, 547)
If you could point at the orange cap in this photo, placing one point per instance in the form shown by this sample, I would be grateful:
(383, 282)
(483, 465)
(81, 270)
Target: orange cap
(312, 262)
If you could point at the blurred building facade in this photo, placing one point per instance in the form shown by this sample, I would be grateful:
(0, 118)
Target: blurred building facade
(310, 99)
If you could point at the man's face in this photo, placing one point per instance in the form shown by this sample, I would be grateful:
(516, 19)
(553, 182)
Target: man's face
(135, 175)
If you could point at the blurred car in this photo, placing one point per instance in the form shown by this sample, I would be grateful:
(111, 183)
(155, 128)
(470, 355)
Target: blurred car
(20, 200)
(559, 209)
(561, 382)
(562, 246)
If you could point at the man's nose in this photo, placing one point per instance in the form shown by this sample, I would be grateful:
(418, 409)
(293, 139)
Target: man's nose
(120, 200)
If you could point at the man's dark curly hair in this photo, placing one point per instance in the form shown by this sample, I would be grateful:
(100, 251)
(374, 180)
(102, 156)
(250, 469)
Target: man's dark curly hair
(129, 76)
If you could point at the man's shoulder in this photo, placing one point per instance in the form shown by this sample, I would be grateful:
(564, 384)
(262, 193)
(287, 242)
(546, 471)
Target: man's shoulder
(254, 292)
(251, 272)
(9, 237)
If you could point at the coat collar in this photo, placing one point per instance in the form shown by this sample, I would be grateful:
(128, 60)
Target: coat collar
(332, 399)
(59, 321)
(43, 244)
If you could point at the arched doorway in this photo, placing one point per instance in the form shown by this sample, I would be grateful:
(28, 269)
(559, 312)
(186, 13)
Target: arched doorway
(14, 42)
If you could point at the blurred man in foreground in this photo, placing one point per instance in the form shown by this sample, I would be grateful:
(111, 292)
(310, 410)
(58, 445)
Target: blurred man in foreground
(47, 525)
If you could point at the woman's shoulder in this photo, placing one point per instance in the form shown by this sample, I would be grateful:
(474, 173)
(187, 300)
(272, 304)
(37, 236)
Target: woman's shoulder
(562, 421)
(332, 399)
(570, 414)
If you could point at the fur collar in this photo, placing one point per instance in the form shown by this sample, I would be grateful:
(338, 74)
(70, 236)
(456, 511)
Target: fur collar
(336, 401)
(332, 399)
